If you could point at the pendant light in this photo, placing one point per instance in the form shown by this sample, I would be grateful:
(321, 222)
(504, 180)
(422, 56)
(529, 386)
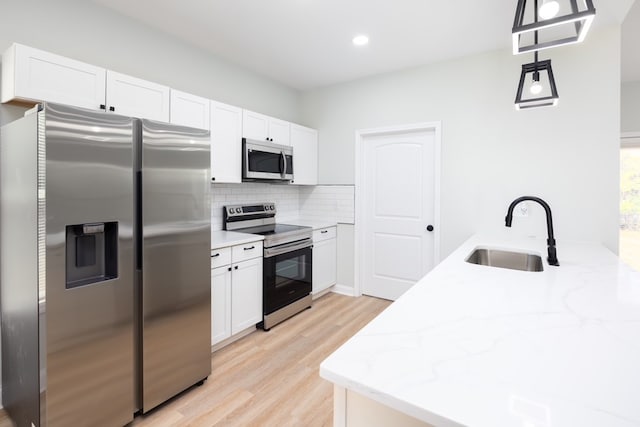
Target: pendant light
(554, 30)
(537, 94)
(537, 87)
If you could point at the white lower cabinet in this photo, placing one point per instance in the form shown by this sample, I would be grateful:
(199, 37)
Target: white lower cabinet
(324, 259)
(220, 304)
(236, 290)
(246, 295)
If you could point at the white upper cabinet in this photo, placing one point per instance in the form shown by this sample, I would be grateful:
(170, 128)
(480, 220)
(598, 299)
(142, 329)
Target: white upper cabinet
(32, 75)
(131, 96)
(189, 110)
(305, 155)
(255, 126)
(264, 128)
(226, 143)
(279, 131)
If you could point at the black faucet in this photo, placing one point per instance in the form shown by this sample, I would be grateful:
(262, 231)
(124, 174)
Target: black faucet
(551, 242)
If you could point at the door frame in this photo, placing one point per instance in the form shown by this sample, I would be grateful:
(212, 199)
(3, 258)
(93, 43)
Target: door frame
(629, 139)
(360, 186)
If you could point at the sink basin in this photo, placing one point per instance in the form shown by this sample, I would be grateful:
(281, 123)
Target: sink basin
(505, 259)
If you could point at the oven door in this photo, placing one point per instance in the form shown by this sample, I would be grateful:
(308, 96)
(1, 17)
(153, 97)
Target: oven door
(287, 274)
(263, 160)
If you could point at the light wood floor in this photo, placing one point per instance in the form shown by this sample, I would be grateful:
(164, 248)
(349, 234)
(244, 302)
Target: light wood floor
(270, 378)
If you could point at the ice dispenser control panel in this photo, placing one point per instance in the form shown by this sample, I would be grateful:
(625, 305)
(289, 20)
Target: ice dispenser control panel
(91, 253)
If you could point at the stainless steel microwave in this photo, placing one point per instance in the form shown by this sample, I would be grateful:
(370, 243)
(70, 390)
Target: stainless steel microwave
(266, 161)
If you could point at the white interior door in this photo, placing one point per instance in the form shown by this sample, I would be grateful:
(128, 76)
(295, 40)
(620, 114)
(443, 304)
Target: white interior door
(399, 192)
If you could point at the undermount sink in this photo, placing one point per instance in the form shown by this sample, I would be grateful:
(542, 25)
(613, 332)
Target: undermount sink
(505, 259)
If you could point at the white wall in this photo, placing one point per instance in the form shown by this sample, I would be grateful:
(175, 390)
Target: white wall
(87, 32)
(630, 111)
(492, 153)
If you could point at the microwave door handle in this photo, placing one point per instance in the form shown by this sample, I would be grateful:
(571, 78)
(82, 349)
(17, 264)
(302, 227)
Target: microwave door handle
(283, 167)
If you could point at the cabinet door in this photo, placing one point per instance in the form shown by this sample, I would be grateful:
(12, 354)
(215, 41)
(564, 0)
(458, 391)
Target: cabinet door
(34, 75)
(226, 143)
(324, 265)
(220, 304)
(255, 126)
(305, 155)
(189, 110)
(246, 294)
(279, 132)
(131, 96)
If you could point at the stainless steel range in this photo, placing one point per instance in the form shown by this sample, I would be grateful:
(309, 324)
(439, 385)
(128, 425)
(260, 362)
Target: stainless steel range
(287, 266)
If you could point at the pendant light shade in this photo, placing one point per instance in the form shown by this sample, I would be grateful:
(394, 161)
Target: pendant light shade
(537, 86)
(571, 26)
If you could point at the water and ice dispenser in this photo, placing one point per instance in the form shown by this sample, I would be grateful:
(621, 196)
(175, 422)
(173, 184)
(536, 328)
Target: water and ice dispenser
(91, 253)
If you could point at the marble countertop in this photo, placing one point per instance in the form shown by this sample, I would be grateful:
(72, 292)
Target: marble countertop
(221, 239)
(479, 346)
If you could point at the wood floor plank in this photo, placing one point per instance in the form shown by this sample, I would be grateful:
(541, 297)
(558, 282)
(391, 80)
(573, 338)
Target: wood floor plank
(270, 378)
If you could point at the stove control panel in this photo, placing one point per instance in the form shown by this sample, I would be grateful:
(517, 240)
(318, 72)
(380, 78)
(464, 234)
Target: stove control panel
(261, 210)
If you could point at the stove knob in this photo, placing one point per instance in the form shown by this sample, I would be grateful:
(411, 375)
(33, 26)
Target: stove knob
(232, 210)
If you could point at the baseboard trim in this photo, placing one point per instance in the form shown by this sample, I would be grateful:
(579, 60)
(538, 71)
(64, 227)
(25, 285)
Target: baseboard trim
(322, 292)
(233, 338)
(344, 290)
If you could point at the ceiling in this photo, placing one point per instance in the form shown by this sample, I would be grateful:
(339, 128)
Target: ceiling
(306, 44)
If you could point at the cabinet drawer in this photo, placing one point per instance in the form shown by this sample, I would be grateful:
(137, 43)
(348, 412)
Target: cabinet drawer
(247, 251)
(324, 234)
(220, 257)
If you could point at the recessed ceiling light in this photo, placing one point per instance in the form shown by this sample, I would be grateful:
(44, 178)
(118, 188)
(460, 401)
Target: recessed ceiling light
(360, 40)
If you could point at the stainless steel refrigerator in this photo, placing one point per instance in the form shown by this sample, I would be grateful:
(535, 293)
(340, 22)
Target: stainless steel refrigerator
(105, 275)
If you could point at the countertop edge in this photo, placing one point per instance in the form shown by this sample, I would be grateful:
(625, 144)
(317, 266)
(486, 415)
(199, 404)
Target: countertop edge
(222, 239)
(388, 400)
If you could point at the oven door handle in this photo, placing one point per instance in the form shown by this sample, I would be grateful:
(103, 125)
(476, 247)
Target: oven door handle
(278, 250)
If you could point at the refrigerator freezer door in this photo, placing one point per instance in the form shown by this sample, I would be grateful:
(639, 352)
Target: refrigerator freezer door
(89, 178)
(176, 245)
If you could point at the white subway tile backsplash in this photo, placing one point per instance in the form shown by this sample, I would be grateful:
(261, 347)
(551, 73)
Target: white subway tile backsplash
(335, 203)
(332, 203)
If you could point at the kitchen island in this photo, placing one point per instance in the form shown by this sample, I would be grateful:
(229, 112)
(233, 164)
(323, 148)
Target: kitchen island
(472, 345)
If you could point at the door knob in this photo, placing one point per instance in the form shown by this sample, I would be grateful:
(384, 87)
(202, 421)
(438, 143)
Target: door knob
(429, 227)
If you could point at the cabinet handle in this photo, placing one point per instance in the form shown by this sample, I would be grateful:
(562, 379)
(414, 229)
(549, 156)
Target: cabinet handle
(112, 108)
(229, 268)
(103, 107)
(213, 178)
(324, 231)
(248, 249)
(215, 255)
(236, 267)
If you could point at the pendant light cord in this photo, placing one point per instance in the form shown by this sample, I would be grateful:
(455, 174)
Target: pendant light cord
(535, 35)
